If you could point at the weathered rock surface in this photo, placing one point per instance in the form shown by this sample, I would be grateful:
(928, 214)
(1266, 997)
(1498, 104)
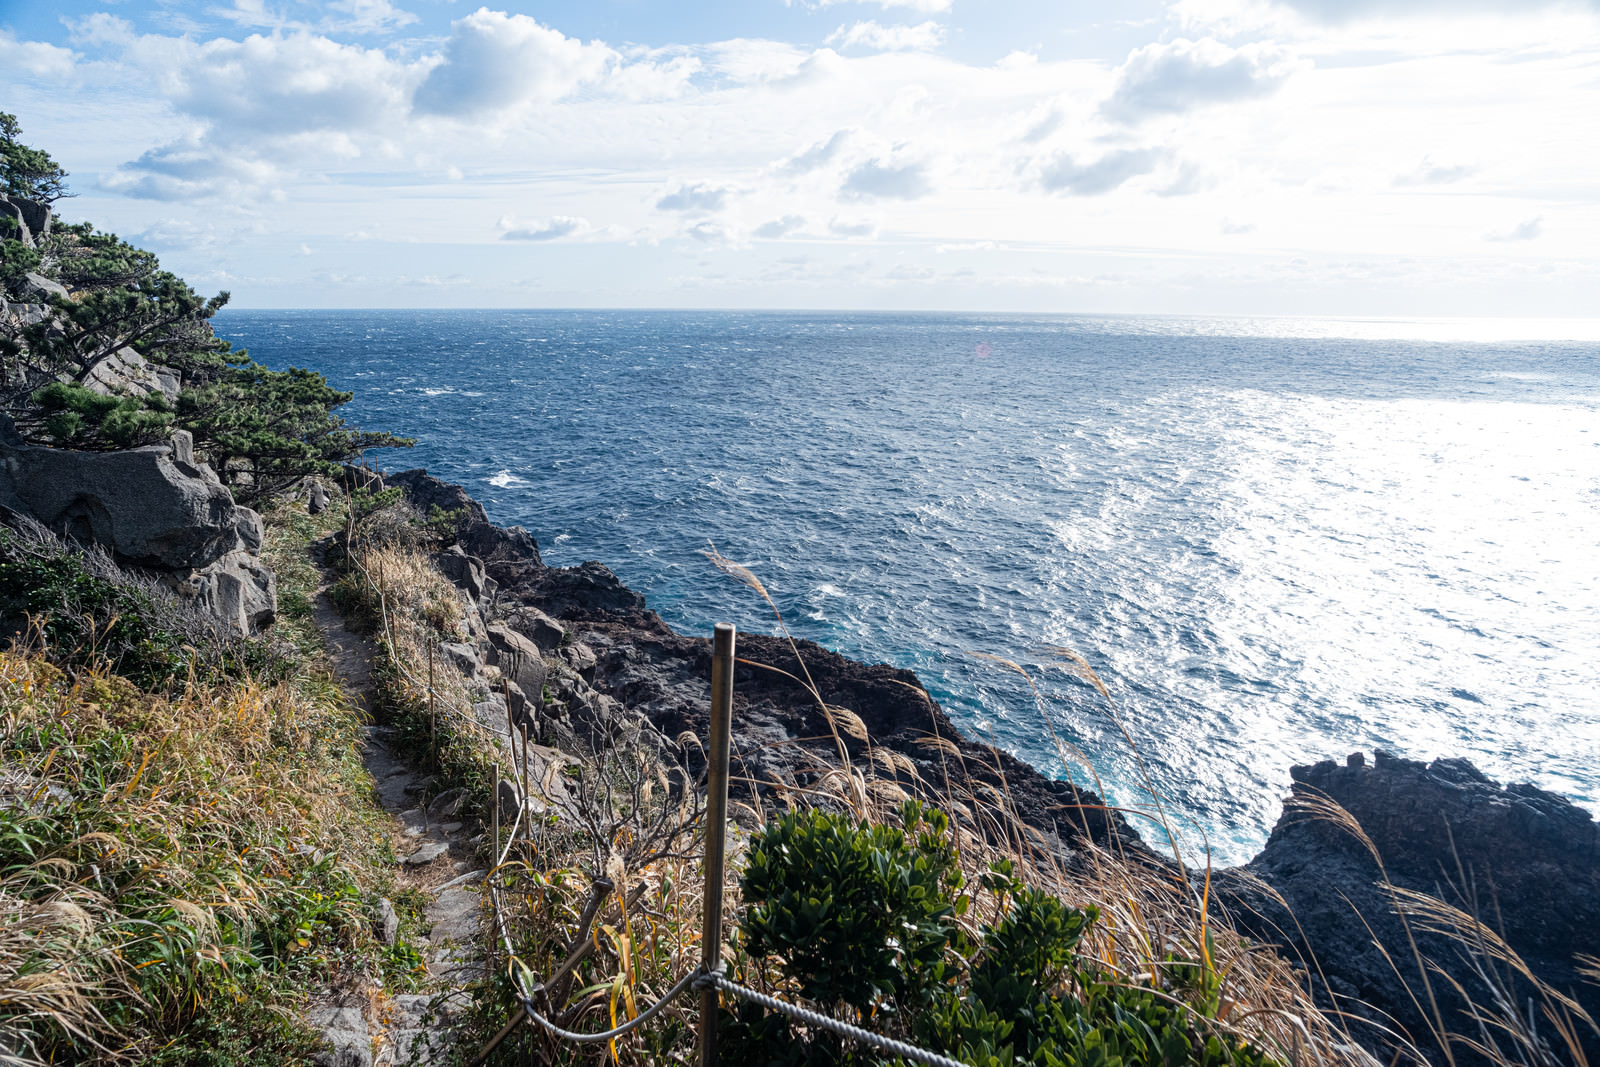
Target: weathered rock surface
(153, 508)
(30, 216)
(1524, 861)
(127, 373)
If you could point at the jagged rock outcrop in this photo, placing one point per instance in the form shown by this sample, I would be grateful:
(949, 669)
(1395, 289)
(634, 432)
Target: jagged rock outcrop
(1526, 862)
(611, 665)
(30, 217)
(154, 508)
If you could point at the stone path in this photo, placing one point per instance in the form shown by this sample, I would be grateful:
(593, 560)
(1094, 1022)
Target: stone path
(365, 1027)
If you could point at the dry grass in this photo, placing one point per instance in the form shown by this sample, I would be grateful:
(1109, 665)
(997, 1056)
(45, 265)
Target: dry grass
(617, 885)
(167, 858)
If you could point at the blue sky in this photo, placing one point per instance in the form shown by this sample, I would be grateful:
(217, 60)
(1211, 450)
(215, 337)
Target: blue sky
(1306, 157)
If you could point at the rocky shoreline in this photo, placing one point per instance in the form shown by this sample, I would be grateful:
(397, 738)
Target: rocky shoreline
(1453, 843)
(582, 657)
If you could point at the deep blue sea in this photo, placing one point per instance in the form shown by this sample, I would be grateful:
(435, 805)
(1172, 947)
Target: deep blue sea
(1274, 543)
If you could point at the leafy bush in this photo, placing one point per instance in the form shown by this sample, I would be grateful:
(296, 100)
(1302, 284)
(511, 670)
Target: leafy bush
(863, 920)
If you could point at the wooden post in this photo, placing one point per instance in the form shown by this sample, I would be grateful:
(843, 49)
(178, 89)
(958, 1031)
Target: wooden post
(433, 716)
(716, 828)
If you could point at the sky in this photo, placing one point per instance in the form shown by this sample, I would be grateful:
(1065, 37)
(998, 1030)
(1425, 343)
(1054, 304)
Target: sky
(1383, 158)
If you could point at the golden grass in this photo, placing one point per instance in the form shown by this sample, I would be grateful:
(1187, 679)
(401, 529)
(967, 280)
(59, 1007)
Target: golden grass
(159, 855)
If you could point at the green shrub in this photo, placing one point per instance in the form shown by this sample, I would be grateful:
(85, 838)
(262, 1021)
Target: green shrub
(859, 914)
(864, 917)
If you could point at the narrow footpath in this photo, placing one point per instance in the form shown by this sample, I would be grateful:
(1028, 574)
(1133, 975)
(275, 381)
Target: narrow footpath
(368, 1028)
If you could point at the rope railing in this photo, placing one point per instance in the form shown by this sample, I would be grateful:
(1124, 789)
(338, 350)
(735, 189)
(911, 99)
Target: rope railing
(710, 978)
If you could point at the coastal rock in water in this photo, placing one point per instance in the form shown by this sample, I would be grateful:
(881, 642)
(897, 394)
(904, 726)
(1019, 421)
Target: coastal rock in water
(1524, 861)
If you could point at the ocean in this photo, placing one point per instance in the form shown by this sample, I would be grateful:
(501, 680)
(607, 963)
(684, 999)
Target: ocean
(1274, 541)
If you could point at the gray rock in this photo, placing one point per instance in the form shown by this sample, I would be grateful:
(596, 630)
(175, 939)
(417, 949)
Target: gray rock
(541, 628)
(34, 216)
(581, 658)
(465, 657)
(465, 571)
(148, 507)
(427, 853)
(127, 373)
(518, 658)
(317, 502)
(448, 803)
(43, 288)
(237, 589)
(183, 447)
(470, 878)
(388, 921)
(346, 1038)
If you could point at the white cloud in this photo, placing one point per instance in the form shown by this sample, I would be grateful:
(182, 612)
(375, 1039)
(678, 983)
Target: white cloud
(278, 85)
(700, 198)
(783, 227)
(189, 171)
(817, 155)
(1064, 174)
(1345, 10)
(924, 37)
(365, 16)
(853, 227)
(1526, 230)
(1181, 75)
(34, 57)
(876, 179)
(494, 60)
(1430, 173)
(550, 229)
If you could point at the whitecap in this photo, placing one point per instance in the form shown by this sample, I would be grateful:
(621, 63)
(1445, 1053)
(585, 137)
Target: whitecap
(506, 480)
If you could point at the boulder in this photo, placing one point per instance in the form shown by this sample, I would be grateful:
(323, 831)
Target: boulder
(147, 505)
(153, 508)
(518, 658)
(42, 288)
(464, 571)
(34, 216)
(127, 373)
(317, 499)
(464, 656)
(581, 658)
(237, 589)
(1525, 861)
(544, 631)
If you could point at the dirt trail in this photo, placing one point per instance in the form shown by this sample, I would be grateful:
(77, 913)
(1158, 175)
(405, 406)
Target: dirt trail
(365, 1027)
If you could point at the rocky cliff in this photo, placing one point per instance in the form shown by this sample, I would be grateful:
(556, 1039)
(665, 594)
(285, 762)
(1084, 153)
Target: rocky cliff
(1525, 861)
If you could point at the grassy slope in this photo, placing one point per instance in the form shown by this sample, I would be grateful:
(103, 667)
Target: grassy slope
(180, 870)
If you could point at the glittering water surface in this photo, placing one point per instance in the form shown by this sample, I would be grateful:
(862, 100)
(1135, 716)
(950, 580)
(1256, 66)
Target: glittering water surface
(1273, 543)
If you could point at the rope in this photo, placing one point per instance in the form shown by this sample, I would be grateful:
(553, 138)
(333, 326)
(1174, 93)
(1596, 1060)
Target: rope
(811, 1018)
(609, 1035)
